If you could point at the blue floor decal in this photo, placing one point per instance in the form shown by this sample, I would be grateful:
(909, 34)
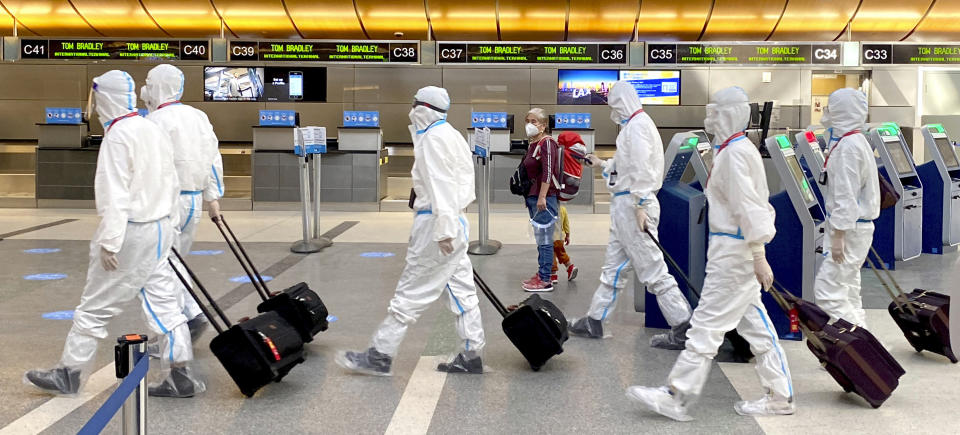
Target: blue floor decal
(41, 250)
(44, 276)
(208, 252)
(58, 315)
(377, 254)
(243, 279)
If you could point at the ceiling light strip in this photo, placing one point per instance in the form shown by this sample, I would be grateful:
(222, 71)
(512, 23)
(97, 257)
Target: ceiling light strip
(775, 26)
(84, 18)
(144, 7)
(706, 22)
(924, 17)
(850, 21)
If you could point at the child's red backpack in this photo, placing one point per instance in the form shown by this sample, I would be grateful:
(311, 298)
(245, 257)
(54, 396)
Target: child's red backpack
(572, 152)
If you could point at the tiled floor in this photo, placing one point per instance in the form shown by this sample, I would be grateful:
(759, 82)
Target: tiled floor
(580, 391)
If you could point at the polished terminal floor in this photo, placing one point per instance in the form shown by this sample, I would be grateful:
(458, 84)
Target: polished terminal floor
(580, 391)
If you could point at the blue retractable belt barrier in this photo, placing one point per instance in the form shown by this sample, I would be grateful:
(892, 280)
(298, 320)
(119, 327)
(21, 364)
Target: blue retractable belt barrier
(115, 401)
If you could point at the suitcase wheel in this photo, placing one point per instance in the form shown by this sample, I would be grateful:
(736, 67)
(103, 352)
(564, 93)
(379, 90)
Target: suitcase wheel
(847, 389)
(918, 349)
(535, 368)
(876, 406)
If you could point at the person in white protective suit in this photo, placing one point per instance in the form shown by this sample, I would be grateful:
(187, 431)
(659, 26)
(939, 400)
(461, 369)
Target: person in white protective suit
(437, 263)
(634, 175)
(741, 222)
(852, 199)
(136, 190)
(198, 162)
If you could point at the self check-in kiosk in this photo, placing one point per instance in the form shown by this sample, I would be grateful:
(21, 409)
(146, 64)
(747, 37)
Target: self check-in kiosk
(683, 219)
(941, 191)
(899, 229)
(796, 250)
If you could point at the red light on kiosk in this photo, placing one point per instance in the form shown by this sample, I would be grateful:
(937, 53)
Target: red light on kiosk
(811, 137)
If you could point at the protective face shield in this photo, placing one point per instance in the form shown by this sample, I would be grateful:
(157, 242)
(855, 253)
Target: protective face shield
(113, 95)
(623, 102)
(532, 129)
(825, 120)
(164, 85)
(728, 113)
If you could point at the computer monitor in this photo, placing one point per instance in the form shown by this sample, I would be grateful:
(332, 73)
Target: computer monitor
(946, 150)
(901, 162)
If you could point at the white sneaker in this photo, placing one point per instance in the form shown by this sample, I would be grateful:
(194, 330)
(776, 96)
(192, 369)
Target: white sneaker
(659, 400)
(767, 405)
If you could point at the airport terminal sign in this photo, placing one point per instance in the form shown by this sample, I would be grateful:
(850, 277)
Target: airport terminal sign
(910, 54)
(325, 51)
(112, 49)
(720, 53)
(521, 53)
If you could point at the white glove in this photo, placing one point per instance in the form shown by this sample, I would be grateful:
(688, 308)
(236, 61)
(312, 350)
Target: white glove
(108, 260)
(213, 208)
(836, 246)
(595, 162)
(760, 266)
(446, 246)
(641, 214)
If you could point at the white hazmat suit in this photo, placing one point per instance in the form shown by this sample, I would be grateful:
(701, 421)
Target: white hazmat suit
(196, 156)
(852, 200)
(136, 192)
(634, 175)
(741, 221)
(437, 262)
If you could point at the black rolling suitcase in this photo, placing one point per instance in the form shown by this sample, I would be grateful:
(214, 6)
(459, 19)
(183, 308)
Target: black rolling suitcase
(922, 315)
(852, 355)
(537, 327)
(255, 352)
(298, 304)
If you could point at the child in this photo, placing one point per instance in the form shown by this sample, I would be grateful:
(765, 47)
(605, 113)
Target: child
(562, 237)
(573, 149)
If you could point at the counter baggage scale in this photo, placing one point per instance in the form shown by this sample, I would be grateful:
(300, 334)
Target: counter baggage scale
(941, 187)
(683, 220)
(795, 253)
(898, 233)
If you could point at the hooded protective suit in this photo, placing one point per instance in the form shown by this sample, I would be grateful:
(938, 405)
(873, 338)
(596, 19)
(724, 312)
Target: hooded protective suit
(740, 215)
(634, 175)
(195, 154)
(443, 180)
(136, 193)
(852, 200)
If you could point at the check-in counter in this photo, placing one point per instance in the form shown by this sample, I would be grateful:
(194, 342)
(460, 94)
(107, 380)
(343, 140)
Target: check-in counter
(18, 167)
(65, 176)
(350, 180)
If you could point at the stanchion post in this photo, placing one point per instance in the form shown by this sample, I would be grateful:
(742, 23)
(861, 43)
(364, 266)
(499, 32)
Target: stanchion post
(484, 246)
(133, 415)
(304, 246)
(322, 242)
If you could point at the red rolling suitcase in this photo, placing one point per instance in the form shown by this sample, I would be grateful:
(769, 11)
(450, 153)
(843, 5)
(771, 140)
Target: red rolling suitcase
(254, 352)
(922, 315)
(298, 304)
(537, 327)
(852, 355)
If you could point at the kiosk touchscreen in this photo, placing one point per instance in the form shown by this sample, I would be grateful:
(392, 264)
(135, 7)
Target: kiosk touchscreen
(800, 227)
(683, 221)
(899, 229)
(941, 187)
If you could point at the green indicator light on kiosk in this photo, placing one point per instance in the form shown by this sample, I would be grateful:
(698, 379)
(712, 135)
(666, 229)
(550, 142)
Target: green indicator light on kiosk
(693, 141)
(784, 142)
(804, 184)
(937, 127)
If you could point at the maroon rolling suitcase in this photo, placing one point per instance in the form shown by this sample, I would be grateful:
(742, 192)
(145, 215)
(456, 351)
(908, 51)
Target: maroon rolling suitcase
(852, 355)
(922, 315)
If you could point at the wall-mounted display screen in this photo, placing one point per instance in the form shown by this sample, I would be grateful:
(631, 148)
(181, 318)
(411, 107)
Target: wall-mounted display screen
(900, 161)
(584, 86)
(277, 84)
(125, 49)
(655, 87)
(946, 150)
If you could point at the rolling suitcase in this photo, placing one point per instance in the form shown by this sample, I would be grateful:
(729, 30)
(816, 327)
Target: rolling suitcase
(298, 304)
(254, 352)
(852, 355)
(537, 327)
(922, 315)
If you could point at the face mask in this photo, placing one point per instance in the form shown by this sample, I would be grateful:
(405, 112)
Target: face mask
(532, 130)
(411, 114)
(825, 119)
(616, 118)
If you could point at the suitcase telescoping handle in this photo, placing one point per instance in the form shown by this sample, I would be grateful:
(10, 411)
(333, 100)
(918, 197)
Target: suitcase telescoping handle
(775, 291)
(673, 263)
(489, 294)
(896, 299)
(206, 294)
(234, 243)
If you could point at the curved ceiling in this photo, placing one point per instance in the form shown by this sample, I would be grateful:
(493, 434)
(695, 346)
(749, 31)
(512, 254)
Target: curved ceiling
(508, 20)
